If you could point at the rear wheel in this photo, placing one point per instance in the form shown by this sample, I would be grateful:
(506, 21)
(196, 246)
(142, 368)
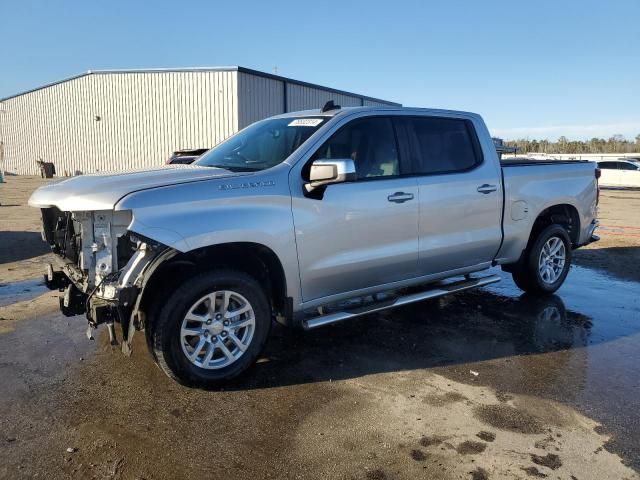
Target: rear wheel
(546, 262)
(212, 328)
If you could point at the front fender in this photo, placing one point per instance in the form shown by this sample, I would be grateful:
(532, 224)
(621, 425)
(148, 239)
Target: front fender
(165, 236)
(202, 214)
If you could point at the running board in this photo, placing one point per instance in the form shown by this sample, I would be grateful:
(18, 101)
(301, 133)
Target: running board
(434, 292)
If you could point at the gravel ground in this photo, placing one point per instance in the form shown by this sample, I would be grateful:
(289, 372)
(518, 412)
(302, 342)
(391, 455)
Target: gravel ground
(487, 384)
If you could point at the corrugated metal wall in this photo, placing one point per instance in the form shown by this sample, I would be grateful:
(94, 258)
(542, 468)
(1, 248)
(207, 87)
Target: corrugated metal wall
(261, 97)
(300, 97)
(258, 98)
(144, 117)
(121, 120)
(374, 103)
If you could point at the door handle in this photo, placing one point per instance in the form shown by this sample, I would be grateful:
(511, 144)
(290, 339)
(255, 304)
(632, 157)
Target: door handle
(400, 197)
(486, 188)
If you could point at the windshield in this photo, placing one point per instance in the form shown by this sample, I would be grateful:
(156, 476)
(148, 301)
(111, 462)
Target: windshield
(261, 145)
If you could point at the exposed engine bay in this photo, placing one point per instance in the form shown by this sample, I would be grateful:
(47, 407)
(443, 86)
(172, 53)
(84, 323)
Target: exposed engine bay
(99, 267)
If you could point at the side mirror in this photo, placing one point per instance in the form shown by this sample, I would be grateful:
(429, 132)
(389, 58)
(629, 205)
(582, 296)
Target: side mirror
(326, 172)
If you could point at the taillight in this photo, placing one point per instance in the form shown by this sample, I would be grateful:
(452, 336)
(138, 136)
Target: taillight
(597, 173)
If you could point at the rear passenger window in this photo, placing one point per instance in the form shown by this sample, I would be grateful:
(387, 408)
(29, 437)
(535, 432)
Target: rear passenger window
(444, 145)
(626, 166)
(369, 142)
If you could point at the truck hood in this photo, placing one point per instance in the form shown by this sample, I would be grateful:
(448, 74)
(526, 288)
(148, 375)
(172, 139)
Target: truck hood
(102, 191)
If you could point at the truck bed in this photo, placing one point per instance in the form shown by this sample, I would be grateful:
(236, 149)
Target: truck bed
(529, 190)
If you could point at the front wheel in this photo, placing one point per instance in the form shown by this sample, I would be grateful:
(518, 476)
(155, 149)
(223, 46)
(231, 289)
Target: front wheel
(212, 328)
(546, 262)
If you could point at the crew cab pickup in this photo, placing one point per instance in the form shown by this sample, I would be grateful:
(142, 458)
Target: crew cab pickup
(308, 218)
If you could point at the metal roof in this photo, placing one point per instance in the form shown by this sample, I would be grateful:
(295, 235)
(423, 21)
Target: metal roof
(205, 69)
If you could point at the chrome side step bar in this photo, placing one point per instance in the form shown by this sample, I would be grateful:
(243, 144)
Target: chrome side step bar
(438, 290)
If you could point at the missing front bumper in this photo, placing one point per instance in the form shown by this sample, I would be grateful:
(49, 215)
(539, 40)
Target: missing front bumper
(73, 302)
(114, 299)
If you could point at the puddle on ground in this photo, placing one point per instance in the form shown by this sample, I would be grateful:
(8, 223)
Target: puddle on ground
(580, 347)
(594, 295)
(13, 292)
(595, 320)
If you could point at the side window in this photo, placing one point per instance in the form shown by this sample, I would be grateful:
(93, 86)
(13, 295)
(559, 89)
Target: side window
(626, 166)
(369, 142)
(444, 145)
(608, 165)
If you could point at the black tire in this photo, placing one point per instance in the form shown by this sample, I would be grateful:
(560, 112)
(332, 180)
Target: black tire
(527, 275)
(165, 333)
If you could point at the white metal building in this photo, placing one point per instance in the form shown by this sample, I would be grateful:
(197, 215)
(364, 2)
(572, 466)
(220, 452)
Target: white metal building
(121, 119)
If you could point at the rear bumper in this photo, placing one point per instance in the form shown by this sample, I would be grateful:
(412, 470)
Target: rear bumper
(594, 238)
(591, 237)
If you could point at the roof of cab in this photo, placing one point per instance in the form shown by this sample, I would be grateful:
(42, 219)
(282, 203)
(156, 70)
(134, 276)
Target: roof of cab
(343, 110)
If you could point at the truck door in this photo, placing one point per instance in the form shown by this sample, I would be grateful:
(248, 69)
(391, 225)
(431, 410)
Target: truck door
(460, 194)
(362, 233)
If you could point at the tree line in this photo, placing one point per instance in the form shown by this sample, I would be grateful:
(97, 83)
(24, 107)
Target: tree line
(615, 144)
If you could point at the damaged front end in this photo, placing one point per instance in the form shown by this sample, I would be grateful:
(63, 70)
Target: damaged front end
(100, 268)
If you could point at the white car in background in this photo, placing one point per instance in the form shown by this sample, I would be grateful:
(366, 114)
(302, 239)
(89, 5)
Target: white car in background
(622, 172)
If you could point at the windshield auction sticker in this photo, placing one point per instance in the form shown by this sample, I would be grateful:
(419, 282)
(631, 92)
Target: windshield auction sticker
(305, 122)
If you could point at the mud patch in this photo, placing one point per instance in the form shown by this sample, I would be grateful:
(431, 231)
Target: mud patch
(544, 443)
(471, 447)
(430, 441)
(479, 474)
(376, 474)
(486, 436)
(550, 460)
(534, 472)
(443, 442)
(444, 399)
(509, 418)
(600, 430)
(503, 396)
(418, 455)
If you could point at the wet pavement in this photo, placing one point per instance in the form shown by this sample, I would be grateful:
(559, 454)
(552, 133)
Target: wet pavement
(13, 292)
(585, 343)
(580, 348)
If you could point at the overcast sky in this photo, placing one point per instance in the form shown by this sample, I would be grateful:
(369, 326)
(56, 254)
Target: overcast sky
(532, 69)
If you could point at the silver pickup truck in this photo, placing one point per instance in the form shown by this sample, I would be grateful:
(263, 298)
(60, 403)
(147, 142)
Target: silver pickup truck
(308, 218)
